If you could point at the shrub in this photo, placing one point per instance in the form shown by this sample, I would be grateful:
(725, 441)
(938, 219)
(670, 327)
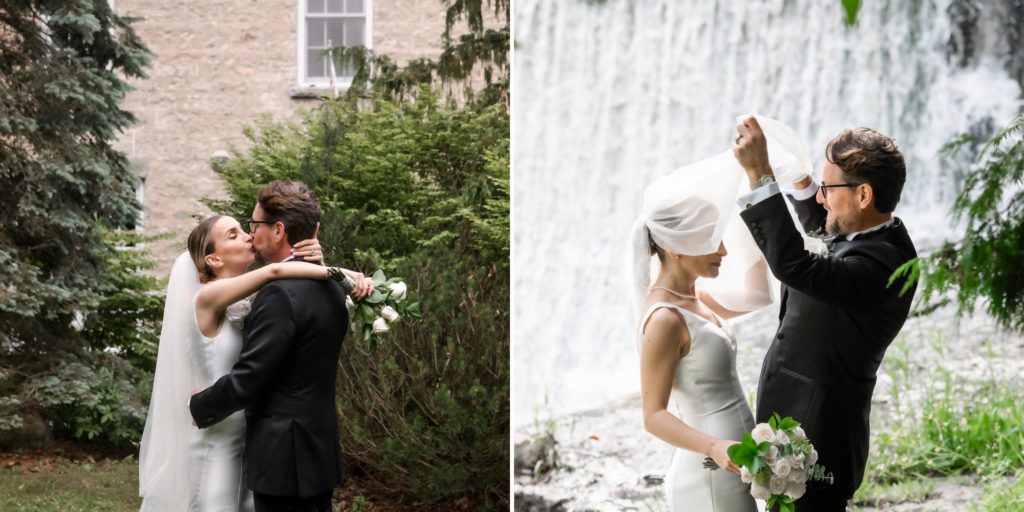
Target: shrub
(99, 403)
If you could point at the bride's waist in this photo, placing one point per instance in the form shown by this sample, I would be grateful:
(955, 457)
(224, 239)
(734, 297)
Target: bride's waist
(702, 407)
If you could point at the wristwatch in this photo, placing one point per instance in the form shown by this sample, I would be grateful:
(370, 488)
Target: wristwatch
(766, 179)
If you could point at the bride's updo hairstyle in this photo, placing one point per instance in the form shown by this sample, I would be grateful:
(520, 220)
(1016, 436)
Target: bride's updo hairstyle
(655, 248)
(201, 245)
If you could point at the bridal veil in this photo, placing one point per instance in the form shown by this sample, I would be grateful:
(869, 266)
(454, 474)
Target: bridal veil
(163, 452)
(693, 209)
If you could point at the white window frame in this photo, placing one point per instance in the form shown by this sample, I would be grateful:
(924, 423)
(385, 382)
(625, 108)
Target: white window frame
(301, 53)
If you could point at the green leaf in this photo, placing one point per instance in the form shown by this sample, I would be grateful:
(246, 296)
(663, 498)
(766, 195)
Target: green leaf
(379, 278)
(367, 313)
(741, 454)
(375, 298)
(788, 424)
(851, 7)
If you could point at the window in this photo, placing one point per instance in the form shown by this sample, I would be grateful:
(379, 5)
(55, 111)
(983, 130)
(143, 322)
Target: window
(325, 23)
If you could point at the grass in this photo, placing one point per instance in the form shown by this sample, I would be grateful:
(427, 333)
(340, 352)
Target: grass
(958, 427)
(1003, 497)
(70, 486)
(38, 482)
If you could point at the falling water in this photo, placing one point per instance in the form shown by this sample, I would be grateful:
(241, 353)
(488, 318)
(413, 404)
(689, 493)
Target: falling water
(610, 95)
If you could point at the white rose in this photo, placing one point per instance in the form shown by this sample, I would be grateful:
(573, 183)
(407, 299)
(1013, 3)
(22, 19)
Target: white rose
(380, 326)
(773, 453)
(799, 433)
(398, 291)
(777, 485)
(782, 467)
(762, 432)
(389, 313)
(798, 460)
(781, 438)
(745, 475)
(796, 489)
(812, 458)
(759, 492)
(798, 475)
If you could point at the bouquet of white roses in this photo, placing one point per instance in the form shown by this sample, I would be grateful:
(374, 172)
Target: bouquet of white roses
(776, 459)
(372, 315)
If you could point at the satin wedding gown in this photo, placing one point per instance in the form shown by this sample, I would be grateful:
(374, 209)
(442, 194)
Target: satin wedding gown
(708, 397)
(183, 468)
(216, 467)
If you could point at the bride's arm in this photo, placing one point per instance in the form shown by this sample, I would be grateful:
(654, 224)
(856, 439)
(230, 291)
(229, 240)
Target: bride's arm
(216, 296)
(755, 294)
(665, 341)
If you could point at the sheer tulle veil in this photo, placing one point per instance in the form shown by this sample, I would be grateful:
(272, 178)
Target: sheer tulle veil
(693, 209)
(163, 452)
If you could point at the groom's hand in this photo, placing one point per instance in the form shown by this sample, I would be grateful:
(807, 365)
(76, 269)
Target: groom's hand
(751, 151)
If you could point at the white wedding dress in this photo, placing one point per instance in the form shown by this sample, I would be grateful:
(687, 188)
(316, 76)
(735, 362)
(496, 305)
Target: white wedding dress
(183, 468)
(216, 466)
(708, 397)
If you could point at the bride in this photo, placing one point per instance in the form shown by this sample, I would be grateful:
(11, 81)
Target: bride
(181, 467)
(687, 351)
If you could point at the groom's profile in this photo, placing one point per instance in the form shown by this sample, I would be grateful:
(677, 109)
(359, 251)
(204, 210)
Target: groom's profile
(285, 374)
(838, 313)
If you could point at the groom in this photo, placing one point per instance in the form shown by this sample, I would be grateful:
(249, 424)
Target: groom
(285, 374)
(838, 314)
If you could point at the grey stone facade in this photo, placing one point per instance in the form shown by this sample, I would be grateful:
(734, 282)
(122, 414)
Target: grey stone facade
(218, 66)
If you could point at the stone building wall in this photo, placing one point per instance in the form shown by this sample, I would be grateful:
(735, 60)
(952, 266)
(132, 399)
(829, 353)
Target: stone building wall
(218, 66)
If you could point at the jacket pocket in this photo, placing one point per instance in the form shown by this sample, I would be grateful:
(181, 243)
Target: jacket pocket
(790, 394)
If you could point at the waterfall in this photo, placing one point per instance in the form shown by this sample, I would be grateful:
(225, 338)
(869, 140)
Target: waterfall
(608, 95)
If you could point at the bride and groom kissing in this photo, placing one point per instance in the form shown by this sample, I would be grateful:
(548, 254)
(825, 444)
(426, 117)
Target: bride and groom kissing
(275, 357)
(837, 316)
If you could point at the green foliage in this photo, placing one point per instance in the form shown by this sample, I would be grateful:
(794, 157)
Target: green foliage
(851, 8)
(127, 320)
(63, 70)
(480, 52)
(956, 432)
(99, 403)
(749, 453)
(1003, 496)
(419, 190)
(985, 263)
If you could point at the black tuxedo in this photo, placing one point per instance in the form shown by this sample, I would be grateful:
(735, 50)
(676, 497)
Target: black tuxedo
(285, 381)
(837, 318)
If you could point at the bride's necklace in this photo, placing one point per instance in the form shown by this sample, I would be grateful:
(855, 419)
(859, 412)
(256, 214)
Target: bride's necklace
(673, 292)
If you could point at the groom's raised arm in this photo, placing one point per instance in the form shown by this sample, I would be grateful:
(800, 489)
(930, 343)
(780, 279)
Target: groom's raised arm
(270, 333)
(857, 280)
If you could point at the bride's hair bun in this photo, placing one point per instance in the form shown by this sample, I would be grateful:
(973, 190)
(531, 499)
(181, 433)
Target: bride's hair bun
(201, 245)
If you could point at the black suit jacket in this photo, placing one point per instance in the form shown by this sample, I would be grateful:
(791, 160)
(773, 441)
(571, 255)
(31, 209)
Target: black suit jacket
(285, 381)
(837, 318)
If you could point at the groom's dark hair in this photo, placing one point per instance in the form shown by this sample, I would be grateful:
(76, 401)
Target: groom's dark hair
(870, 157)
(294, 205)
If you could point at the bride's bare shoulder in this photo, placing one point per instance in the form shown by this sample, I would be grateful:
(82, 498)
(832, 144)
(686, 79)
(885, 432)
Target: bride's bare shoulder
(666, 328)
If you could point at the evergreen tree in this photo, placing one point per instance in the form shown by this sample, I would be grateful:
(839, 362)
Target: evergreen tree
(63, 71)
(985, 264)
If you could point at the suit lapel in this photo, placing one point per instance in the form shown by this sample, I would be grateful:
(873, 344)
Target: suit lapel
(782, 304)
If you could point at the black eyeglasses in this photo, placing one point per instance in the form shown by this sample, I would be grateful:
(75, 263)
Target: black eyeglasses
(253, 223)
(824, 188)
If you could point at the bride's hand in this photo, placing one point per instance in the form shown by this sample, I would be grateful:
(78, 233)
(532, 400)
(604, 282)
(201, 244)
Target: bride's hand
(720, 454)
(309, 250)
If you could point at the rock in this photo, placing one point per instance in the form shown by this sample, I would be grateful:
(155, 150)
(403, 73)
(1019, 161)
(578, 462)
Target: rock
(536, 455)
